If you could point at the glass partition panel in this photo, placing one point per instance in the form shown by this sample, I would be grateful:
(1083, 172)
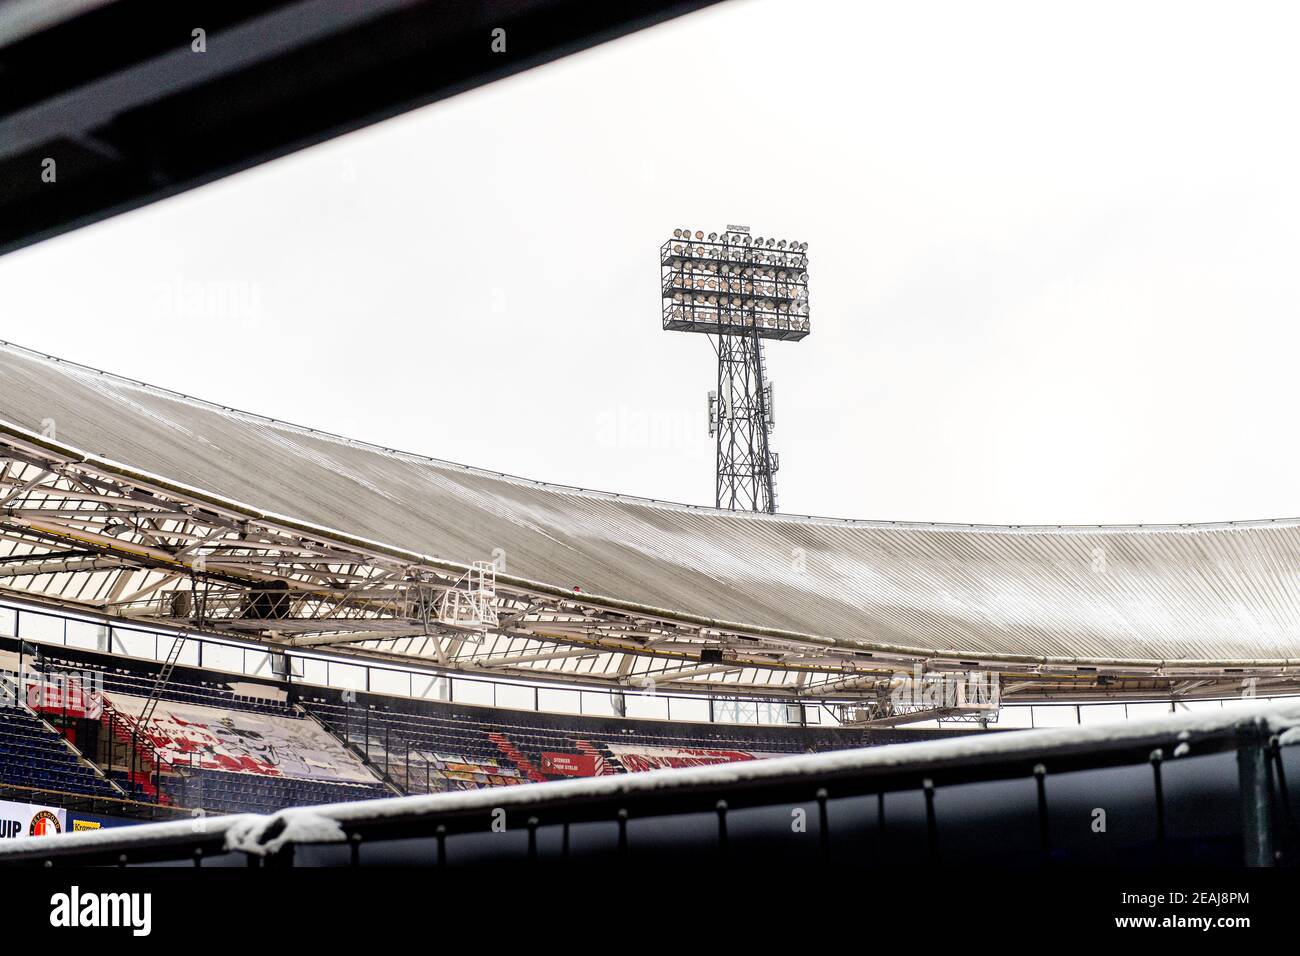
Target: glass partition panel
(223, 657)
(688, 708)
(471, 692)
(559, 701)
(646, 705)
(384, 681)
(599, 703)
(132, 643)
(40, 627)
(347, 676)
(87, 635)
(430, 686)
(515, 697)
(313, 670)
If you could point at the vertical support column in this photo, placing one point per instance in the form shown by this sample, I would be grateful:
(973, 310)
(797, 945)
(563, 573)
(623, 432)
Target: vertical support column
(744, 471)
(1255, 778)
(765, 460)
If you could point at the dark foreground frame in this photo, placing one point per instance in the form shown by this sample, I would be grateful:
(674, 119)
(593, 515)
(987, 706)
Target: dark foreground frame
(131, 113)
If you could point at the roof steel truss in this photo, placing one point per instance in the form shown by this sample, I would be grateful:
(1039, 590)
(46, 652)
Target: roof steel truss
(78, 532)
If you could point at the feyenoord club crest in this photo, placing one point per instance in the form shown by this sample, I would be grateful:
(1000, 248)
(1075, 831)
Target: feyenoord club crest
(44, 824)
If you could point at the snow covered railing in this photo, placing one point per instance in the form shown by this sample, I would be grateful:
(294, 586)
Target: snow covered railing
(1041, 763)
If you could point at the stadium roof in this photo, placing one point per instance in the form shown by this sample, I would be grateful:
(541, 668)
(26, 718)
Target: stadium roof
(121, 496)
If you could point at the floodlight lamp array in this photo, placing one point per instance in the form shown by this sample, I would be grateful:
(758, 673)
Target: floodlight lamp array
(734, 283)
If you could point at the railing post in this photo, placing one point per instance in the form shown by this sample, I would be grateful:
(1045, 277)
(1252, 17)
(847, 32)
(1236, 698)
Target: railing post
(1255, 777)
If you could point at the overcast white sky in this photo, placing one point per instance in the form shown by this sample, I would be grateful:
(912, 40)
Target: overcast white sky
(1052, 257)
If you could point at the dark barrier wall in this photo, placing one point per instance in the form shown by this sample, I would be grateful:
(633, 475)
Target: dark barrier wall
(1094, 817)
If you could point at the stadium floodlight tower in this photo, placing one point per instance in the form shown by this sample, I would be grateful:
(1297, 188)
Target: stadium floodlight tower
(739, 290)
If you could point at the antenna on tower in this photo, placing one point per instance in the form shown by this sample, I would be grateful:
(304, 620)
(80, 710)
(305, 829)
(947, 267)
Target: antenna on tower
(743, 290)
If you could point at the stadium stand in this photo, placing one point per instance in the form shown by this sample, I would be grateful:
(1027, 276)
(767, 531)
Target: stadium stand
(387, 744)
(134, 679)
(222, 792)
(236, 757)
(33, 756)
(194, 753)
(426, 746)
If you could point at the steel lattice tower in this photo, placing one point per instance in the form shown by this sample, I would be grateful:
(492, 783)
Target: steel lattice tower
(738, 290)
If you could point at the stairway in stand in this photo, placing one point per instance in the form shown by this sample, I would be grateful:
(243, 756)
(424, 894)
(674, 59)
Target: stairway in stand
(139, 773)
(606, 762)
(525, 765)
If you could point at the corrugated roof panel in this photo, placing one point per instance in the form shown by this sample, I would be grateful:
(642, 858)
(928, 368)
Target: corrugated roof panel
(1165, 593)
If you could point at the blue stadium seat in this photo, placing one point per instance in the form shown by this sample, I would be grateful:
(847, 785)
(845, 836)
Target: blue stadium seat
(33, 756)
